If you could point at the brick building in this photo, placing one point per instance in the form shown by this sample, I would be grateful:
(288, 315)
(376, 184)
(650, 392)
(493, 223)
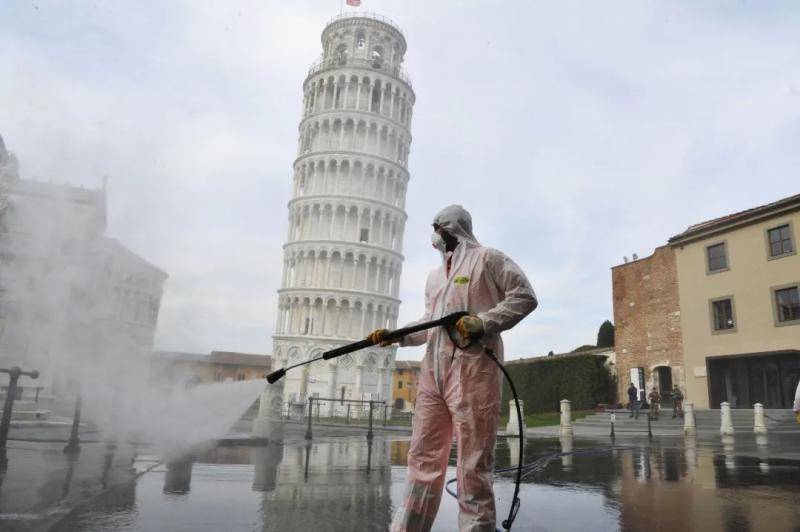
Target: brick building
(715, 311)
(647, 319)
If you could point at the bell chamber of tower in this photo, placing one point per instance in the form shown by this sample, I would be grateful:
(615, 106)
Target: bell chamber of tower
(343, 255)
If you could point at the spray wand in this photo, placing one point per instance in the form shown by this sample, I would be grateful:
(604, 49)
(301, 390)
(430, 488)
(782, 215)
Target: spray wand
(446, 321)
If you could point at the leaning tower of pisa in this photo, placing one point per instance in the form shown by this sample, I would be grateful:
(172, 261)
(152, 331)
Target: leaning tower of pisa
(343, 255)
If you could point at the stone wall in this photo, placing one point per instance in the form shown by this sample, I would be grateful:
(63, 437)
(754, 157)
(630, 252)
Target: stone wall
(647, 319)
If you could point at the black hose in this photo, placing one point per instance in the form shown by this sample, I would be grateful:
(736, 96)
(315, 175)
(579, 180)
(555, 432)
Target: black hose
(515, 502)
(531, 468)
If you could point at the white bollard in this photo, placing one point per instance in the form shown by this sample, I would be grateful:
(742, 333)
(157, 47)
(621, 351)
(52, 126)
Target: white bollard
(269, 422)
(763, 452)
(726, 426)
(266, 463)
(566, 418)
(513, 451)
(759, 426)
(728, 450)
(566, 447)
(691, 453)
(689, 427)
(512, 427)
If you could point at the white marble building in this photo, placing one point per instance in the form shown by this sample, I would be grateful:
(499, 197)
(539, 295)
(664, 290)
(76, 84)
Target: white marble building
(343, 257)
(69, 295)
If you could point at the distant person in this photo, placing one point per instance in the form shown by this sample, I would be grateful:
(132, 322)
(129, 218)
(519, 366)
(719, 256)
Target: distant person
(633, 400)
(677, 402)
(796, 407)
(655, 403)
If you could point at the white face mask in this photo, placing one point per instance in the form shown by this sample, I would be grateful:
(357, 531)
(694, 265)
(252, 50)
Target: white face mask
(438, 242)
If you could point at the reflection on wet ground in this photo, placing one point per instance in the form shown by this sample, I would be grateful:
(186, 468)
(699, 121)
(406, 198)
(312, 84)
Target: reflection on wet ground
(40, 483)
(347, 484)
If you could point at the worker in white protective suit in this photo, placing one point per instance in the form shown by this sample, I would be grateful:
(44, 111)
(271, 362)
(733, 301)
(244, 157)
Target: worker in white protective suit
(459, 390)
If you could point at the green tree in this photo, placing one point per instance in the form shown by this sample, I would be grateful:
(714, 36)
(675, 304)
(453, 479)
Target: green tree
(605, 335)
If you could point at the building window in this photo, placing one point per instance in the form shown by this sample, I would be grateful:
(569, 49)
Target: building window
(377, 57)
(240, 377)
(722, 314)
(341, 54)
(787, 301)
(364, 237)
(717, 258)
(780, 241)
(399, 385)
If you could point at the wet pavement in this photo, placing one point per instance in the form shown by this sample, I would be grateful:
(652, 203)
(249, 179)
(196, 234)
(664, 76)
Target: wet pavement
(41, 484)
(346, 484)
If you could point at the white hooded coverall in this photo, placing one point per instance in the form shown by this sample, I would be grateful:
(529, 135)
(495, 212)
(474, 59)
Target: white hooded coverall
(459, 390)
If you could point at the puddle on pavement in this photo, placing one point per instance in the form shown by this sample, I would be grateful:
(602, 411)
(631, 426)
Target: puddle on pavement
(346, 485)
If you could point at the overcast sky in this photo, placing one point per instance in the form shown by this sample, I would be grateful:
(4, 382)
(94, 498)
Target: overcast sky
(574, 133)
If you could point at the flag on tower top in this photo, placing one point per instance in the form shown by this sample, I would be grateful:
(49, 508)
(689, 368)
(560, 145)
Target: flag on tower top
(354, 3)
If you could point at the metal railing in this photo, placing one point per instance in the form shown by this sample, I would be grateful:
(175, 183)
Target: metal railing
(379, 65)
(649, 430)
(20, 391)
(314, 404)
(350, 411)
(366, 14)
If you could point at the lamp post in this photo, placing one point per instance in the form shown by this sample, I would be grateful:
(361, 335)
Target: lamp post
(14, 374)
(73, 446)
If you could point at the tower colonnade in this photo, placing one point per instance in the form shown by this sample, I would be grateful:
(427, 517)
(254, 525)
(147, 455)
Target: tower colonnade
(350, 176)
(341, 268)
(346, 219)
(355, 134)
(350, 90)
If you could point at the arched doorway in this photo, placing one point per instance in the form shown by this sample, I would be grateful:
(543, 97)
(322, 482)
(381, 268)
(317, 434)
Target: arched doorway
(663, 376)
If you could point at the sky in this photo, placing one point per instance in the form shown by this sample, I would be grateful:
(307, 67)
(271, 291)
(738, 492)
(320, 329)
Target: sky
(575, 133)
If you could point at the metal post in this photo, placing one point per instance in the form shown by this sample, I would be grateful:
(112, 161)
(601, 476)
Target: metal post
(11, 394)
(384, 414)
(308, 459)
(348, 415)
(73, 446)
(613, 418)
(310, 413)
(369, 456)
(649, 427)
(36, 399)
(369, 433)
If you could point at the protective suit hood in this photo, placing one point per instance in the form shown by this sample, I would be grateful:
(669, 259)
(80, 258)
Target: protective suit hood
(457, 221)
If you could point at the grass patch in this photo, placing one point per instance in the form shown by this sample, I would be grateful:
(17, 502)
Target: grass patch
(546, 419)
(540, 419)
(401, 421)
